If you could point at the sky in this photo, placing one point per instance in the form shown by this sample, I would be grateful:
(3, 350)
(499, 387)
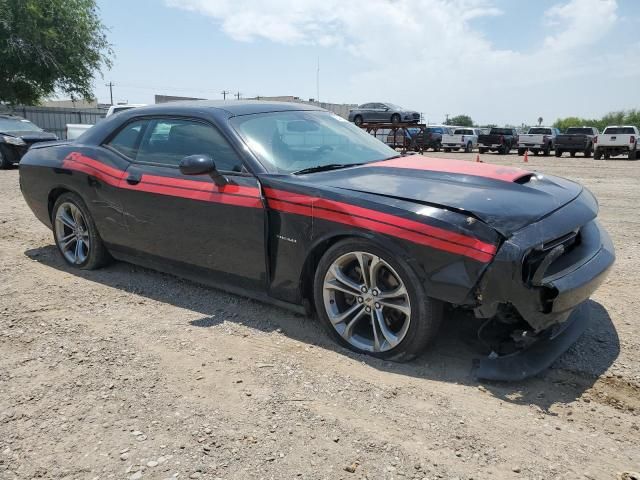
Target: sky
(499, 61)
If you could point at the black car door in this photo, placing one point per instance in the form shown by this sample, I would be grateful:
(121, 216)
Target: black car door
(189, 222)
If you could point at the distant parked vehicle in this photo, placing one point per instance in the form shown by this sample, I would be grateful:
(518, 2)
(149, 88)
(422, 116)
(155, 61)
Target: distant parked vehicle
(74, 130)
(500, 140)
(538, 139)
(16, 136)
(400, 138)
(576, 140)
(461, 138)
(617, 140)
(431, 137)
(382, 113)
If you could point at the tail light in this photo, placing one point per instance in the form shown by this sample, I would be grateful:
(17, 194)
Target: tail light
(595, 139)
(632, 139)
(545, 138)
(501, 138)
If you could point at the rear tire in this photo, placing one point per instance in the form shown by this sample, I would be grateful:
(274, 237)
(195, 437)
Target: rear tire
(587, 152)
(546, 151)
(76, 235)
(447, 150)
(633, 154)
(597, 155)
(535, 152)
(558, 153)
(482, 150)
(395, 119)
(573, 154)
(5, 164)
(521, 151)
(357, 120)
(469, 147)
(375, 332)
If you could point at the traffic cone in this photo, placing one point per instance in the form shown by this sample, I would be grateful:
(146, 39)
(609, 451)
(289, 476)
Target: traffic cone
(526, 156)
(478, 159)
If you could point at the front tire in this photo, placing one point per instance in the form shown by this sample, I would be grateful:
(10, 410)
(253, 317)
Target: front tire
(5, 164)
(357, 120)
(76, 235)
(395, 119)
(372, 302)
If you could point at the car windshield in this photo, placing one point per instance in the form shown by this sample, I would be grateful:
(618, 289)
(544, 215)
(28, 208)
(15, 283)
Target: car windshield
(299, 140)
(500, 131)
(539, 131)
(8, 125)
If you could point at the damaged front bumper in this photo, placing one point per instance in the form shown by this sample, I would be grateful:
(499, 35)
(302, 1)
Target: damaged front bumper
(544, 282)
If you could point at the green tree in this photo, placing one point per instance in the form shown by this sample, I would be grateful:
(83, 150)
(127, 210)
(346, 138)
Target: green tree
(461, 121)
(622, 117)
(49, 46)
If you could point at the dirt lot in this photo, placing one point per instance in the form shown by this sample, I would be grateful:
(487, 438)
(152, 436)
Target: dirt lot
(128, 373)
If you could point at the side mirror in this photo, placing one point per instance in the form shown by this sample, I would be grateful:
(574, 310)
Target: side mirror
(200, 165)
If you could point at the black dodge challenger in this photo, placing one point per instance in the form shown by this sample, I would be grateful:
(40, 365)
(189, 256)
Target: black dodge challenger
(294, 205)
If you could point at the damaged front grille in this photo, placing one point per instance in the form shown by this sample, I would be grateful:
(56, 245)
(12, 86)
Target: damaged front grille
(539, 262)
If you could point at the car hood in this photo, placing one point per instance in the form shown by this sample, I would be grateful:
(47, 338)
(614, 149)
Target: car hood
(31, 136)
(505, 198)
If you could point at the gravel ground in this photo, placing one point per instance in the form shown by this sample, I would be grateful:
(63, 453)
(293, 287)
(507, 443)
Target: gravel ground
(127, 373)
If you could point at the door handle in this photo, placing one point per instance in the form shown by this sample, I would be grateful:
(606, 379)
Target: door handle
(134, 178)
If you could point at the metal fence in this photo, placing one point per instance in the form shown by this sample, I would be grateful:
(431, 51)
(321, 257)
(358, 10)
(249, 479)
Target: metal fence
(55, 119)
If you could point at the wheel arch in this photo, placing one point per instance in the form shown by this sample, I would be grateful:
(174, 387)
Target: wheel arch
(323, 244)
(53, 196)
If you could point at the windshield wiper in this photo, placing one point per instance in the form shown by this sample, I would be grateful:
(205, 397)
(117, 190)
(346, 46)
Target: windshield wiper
(325, 168)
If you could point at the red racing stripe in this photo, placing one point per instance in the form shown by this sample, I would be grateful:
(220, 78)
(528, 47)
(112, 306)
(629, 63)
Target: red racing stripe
(445, 165)
(189, 189)
(339, 207)
(383, 228)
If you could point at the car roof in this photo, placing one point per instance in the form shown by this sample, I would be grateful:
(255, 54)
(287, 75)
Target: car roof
(233, 107)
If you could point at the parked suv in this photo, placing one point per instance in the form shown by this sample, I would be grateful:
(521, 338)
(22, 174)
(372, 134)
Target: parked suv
(382, 113)
(431, 137)
(576, 140)
(617, 140)
(538, 139)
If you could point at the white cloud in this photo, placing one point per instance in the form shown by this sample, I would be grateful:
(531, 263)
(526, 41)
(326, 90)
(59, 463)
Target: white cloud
(580, 22)
(440, 63)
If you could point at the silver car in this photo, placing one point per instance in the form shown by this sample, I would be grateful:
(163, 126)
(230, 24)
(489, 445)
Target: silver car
(382, 113)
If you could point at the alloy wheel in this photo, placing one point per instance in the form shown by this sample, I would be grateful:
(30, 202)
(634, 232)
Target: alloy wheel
(72, 233)
(366, 302)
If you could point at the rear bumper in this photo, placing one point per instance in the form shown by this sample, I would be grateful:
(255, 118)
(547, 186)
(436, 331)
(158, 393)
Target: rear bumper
(566, 147)
(546, 294)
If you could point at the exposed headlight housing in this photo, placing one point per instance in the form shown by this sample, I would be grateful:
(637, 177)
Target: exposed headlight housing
(13, 140)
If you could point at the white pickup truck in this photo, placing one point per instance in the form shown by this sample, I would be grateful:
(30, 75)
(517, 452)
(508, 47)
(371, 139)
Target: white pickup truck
(74, 130)
(617, 140)
(465, 138)
(538, 139)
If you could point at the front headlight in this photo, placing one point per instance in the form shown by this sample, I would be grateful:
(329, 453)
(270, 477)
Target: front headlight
(13, 140)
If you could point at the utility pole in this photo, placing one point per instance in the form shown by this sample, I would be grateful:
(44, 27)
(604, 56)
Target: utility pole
(224, 94)
(318, 81)
(110, 85)
(447, 120)
(237, 95)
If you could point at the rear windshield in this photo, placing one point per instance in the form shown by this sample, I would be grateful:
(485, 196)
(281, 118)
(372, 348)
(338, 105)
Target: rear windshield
(619, 130)
(463, 131)
(500, 131)
(583, 130)
(539, 131)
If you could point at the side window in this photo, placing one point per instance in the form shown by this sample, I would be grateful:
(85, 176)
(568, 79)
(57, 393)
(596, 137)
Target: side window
(128, 139)
(168, 141)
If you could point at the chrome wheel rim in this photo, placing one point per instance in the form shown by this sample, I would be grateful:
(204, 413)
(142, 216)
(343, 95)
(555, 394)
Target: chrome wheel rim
(72, 233)
(366, 302)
